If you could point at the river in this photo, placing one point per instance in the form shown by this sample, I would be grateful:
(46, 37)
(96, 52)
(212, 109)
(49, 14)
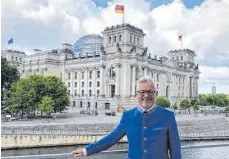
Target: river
(202, 153)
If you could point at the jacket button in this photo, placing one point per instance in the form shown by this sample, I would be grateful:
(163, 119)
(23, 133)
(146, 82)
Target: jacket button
(145, 139)
(145, 151)
(145, 127)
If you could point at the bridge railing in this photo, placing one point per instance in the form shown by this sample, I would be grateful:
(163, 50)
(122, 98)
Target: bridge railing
(113, 152)
(98, 132)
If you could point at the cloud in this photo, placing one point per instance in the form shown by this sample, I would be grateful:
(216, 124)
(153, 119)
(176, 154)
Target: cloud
(45, 13)
(47, 24)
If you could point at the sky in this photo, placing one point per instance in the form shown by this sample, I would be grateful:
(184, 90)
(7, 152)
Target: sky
(204, 24)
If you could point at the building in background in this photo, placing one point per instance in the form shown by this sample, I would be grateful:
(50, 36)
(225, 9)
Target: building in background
(102, 72)
(214, 90)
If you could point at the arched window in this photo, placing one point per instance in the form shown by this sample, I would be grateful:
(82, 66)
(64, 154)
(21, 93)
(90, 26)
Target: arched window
(109, 40)
(115, 39)
(120, 37)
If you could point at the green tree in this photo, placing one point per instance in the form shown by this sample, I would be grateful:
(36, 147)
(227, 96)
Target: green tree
(20, 97)
(163, 102)
(27, 94)
(9, 75)
(47, 105)
(185, 104)
(57, 90)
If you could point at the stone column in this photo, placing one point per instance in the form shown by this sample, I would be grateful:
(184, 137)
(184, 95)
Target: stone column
(86, 82)
(197, 86)
(133, 80)
(145, 71)
(117, 81)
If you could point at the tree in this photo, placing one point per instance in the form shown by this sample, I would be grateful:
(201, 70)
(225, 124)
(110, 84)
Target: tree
(185, 104)
(47, 105)
(9, 75)
(57, 90)
(27, 94)
(162, 102)
(20, 97)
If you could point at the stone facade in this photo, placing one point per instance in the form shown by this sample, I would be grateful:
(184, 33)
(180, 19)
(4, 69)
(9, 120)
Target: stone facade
(108, 80)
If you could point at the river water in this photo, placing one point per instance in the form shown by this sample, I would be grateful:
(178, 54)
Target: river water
(202, 153)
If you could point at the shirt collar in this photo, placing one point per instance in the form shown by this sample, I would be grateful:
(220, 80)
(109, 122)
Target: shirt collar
(143, 110)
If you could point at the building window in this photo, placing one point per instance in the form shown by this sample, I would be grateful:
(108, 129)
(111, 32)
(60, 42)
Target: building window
(96, 105)
(183, 80)
(69, 84)
(89, 84)
(88, 104)
(68, 92)
(75, 84)
(90, 93)
(130, 38)
(98, 74)
(98, 84)
(109, 40)
(179, 80)
(82, 84)
(90, 74)
(75, 92)
(115, 39)
(177, 59)
(152, 74)
(107, 106)
(76, 75)
(19, 59)
(69, 75)
(16, 58)
(134, 40)
(82, 93)
(112, 73)
(12, 57)
(157, 86)
(74, 103)
(120, 37)
(82, 74)
(97, 93)
(158, 77)
(81, 104)
(138, 40)
(60, 75)
(112, 90)
(181, 57)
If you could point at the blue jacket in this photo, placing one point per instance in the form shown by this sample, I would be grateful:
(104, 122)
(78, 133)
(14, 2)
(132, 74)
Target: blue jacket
(150, 136)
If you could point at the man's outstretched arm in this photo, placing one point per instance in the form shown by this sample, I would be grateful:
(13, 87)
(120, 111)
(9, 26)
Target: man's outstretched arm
(105, 142)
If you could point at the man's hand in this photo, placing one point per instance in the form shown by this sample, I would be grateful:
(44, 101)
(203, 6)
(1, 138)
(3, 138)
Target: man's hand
(78, 152)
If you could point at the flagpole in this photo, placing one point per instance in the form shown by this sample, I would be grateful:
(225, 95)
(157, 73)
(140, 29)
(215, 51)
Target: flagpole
(123, 18)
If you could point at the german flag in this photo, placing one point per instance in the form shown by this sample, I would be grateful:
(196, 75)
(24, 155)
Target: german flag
(180, 37)
(119, 9)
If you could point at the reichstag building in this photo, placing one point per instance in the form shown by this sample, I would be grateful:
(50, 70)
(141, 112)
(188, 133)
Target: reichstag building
(101, 72)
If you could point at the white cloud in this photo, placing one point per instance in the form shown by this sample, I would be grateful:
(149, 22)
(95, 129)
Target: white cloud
(44, 13)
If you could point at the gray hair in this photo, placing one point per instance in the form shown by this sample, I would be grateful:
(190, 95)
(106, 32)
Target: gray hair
(144, 79)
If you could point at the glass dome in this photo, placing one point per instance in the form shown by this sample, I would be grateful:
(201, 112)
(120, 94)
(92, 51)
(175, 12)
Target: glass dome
(88, 45)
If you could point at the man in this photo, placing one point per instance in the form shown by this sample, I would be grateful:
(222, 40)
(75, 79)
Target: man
(151, 129)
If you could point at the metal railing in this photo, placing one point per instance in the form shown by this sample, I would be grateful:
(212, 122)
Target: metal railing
(71, 156)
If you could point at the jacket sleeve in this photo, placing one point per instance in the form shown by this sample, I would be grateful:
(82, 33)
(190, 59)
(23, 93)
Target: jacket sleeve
(174, 139)
(108, 140)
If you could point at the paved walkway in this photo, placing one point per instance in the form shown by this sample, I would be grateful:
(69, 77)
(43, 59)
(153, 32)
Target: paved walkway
(74, 117)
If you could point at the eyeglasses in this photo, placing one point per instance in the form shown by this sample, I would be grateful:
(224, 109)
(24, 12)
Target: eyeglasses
(150, 93)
